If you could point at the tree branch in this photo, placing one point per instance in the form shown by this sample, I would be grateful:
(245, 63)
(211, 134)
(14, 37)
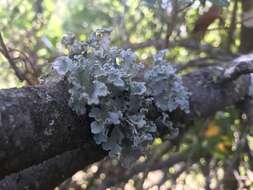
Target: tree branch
(52, 172)
(36, 123)
(180, 43)
(21, 76)
(140, 168)
(243, 65)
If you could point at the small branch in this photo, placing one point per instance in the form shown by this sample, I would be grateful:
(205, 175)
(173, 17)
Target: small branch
(171, 23)
(153, 161)
(230, 40)
(243, 65)
(142, 167)
(178, 43)
(21, 76)
(198, 63)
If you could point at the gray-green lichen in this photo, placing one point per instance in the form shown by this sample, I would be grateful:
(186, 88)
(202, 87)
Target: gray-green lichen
(105, 82)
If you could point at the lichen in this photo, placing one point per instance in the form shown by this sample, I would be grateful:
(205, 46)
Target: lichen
(251, 86)
(105, 82)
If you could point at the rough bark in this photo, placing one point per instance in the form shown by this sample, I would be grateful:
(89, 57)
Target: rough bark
(208, 96)
(52, 172)
(37, 124)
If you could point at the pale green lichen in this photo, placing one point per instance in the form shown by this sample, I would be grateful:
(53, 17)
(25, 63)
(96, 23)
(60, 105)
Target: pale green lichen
(105, 81)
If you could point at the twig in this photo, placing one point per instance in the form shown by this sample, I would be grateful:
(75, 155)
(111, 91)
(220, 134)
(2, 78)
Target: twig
(171, 25)
(21, 76)
(95, 175)
(141, 167)
(154, 159)
(230, 40)
(199, 62)
(239, 68)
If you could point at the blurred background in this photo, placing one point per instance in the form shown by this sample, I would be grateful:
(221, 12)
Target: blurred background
(215, 153)
(32, 30)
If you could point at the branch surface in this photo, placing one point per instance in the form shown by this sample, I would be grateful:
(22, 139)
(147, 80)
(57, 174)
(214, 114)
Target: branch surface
(52, 172)
(36, 123)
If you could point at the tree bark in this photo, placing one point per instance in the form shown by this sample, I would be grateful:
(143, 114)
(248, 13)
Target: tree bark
(36, 124)
(52, 172)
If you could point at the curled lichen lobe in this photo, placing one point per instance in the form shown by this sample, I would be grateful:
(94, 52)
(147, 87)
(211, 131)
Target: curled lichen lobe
(106, 79)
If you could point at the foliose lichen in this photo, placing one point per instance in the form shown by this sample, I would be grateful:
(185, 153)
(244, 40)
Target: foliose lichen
(105, 82)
